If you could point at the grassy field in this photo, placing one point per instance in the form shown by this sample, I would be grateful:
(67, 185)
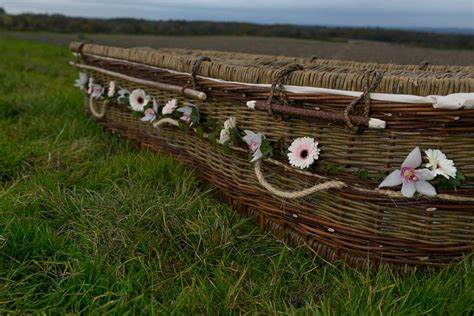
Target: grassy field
(88, 224)
(368, 51)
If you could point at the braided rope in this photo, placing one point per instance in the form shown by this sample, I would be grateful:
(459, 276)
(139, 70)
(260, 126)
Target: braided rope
(94, 111)
(333, 184)
(364, 96)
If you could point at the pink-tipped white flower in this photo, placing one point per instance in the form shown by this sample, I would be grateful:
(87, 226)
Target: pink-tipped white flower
(440, 164)
(411, 180)
(225, 132)
(97, 91)
(187, 111)
(254, 141)
(303, 152)
(138, 100)
(169, 107)
(150, 114)
(111, 90)
(90, 86)
(82, 81)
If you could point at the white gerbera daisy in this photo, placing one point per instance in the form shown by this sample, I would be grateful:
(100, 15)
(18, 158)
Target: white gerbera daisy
(82, 81)
(169, 107)
(138, 100)
(111, 91)
(303, 152)
(225, 132)
(439, 164)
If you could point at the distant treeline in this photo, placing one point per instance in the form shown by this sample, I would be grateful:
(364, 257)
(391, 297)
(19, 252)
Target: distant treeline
(61, 23)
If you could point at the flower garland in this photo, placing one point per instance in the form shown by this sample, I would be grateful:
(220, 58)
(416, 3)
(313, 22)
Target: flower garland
(302, 153)
(139, 102)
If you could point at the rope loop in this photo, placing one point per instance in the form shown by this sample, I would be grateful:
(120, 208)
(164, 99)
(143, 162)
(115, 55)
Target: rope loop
(370, 86)
(277, 87)
(194, 69)
(331, 184)
(98, 113)
(79, 55)
(422, 66)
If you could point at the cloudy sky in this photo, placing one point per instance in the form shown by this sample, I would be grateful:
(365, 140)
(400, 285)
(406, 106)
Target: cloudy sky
(386, 13)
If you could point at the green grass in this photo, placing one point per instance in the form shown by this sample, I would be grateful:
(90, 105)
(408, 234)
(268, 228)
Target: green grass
(89, 224)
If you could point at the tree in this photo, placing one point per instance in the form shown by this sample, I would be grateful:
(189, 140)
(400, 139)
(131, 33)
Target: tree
(2, 11)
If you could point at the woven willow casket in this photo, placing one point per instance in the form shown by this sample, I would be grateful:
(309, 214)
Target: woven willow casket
(366, 119)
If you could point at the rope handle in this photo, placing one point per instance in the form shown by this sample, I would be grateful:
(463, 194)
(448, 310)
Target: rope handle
(98, 113)
(331, 184)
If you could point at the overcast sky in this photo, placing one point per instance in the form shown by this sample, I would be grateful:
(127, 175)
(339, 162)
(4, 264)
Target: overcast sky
(385, 13)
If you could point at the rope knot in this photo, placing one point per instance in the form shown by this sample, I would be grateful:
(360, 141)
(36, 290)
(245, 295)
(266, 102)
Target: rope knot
(370, 86)
(194, 69)
(277, 85)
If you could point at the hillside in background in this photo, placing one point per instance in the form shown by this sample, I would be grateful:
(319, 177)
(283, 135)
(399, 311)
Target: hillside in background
(65, 24)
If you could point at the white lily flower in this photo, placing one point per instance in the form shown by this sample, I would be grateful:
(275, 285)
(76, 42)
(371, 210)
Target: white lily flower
(411, 180)
(97, 91)
(187, 111)
(254, 141)
(440, 164)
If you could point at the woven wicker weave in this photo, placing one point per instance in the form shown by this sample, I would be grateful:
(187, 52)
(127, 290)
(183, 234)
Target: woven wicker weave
(354, 223)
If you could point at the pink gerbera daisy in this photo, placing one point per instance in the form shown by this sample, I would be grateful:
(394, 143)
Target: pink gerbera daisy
(303, 152)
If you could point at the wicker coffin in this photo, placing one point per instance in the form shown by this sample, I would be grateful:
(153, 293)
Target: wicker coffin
(366, 118)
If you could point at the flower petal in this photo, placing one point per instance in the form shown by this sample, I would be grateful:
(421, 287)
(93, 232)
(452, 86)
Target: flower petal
(425, 188)
(250, 136)
(408, 189)
(257, 155)
(413, 159)
(425, 174)
(392, 180)
(249, 132)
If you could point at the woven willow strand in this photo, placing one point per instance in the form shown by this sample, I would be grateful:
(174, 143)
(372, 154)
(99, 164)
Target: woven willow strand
(427, 83)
